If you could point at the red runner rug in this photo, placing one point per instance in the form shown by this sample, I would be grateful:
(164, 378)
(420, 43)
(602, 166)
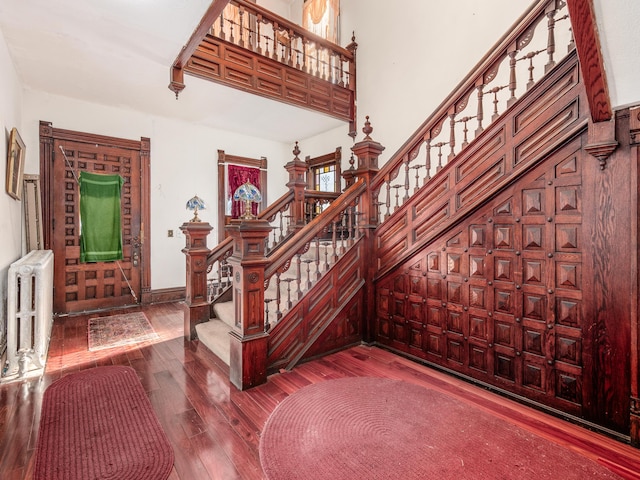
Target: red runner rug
(374, 429)
(99, 424)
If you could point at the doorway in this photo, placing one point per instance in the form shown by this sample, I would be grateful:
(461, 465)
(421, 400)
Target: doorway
(82, 287)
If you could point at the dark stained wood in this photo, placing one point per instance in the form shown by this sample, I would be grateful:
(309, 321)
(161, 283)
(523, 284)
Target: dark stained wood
(585, 32)
(83, 287)
(196, 297)
(215, 429)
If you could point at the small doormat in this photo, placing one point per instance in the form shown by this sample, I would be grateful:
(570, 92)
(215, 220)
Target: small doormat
(118, 330)
(375, 428)
(99, 424)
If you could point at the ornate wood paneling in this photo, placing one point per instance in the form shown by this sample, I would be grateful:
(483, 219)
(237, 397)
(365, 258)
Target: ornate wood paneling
(499, 297)
(220, 61)
(328, 318)
(552, 112)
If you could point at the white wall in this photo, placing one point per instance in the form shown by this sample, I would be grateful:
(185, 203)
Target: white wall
(410, 57)
(617, 22)
(10, 209)
(183, 163)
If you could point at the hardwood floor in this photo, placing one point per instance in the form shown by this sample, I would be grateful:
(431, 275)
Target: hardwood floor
(215, 429)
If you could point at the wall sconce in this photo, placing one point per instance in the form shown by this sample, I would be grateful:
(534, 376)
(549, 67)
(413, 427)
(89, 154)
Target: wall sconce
(248, 194)
(195, 203)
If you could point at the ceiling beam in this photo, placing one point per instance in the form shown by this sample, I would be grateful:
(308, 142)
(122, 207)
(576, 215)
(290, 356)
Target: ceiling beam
(585, 32)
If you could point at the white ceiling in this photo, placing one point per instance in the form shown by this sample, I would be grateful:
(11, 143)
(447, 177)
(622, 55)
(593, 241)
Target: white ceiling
(118, 53)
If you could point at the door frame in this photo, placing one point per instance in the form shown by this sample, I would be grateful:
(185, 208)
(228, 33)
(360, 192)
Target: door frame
(48, 134)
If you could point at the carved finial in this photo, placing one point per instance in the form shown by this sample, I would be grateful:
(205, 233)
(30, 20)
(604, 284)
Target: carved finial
(353, 36)
(296, 151)
(176, 87)
(367, 129)
(352, 161)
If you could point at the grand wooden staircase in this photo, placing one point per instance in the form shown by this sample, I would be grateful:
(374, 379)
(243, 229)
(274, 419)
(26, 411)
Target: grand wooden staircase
(498, 258)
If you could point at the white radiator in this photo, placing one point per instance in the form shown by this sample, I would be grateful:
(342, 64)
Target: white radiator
(29, 314)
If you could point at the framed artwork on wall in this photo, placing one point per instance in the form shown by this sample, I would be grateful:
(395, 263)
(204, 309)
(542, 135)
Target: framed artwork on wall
(15, 164)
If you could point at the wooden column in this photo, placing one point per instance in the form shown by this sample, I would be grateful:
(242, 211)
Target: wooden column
(196, 252)
(297, 184)
(367, 151)
(248, 366)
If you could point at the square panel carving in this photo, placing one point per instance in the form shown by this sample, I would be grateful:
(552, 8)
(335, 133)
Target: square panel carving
(568, 312)
(504, 367)
(416, 286)
(398, 284)
(567, 387)
(454, 292)
(397, 307)
(433, 262)
(415, 338)
(477, 327)
(504, 209)
(568, 275)
(476, 266)
(532, 202)
(434, 344)
(533, 342)
(502, 237)
(567, 237)
(568, 350)
(434, 316)
(567, 200)
(434, 288)
(503, 334)
(383, 328)
(533, 376)
(478, 358)
(502, 269)
(534, 306)
(453, 263)
(476, 236)
(477, 297)
(533, 272)
(416, 312)
(503, 301)
(455, 351)
(532, 237)
(454, 322)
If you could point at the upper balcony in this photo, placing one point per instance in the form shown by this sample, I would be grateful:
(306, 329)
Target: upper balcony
(247, 47)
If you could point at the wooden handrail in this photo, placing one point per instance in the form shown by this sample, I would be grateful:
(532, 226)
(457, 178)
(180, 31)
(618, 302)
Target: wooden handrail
(516, 38)
(281, 256)
(290, 26)
(224, 247)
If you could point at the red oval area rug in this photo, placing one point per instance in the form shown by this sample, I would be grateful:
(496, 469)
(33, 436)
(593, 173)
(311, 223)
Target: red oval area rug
(375, 429)
(98, 424)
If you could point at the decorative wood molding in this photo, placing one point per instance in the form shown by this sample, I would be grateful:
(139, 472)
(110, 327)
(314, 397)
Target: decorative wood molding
(602, 141)
(585, 32)
(166, 295)
(634, 125)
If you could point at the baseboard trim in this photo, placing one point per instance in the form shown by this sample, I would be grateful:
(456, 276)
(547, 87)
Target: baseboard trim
(166, 295)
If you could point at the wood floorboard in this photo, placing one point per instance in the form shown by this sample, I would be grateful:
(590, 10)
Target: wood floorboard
(215, 429)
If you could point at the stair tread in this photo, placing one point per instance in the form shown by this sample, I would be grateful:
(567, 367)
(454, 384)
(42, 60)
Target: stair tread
(214, 334)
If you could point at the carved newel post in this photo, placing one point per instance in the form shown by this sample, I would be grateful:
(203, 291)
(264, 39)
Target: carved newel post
(248, 366)
(196, 252)
(367, 151)
(297, 184)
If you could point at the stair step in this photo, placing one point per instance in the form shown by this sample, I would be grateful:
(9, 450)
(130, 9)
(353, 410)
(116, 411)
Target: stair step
(225, 312)
(214, 334)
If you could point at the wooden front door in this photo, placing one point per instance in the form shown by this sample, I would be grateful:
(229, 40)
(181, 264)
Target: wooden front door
(80, 287)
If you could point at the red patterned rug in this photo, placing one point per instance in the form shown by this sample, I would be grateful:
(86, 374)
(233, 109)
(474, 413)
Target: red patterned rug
(375, 429)
(118, 330)
(99, 424)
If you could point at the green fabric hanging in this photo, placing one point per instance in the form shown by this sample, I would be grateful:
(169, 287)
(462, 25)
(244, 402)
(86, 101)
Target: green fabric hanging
(100, 233)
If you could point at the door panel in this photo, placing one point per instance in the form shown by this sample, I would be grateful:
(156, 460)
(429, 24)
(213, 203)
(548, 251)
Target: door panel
(79, 286)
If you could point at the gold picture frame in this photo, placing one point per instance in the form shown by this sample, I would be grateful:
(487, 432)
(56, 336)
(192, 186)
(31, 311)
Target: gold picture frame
(15, 164)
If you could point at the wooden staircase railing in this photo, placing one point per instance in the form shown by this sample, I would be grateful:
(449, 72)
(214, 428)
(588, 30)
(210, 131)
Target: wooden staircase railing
(250, 48)
(528, 50)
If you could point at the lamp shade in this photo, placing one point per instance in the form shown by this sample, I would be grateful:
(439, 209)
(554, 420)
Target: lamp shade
(195, 203)
(247, 193)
